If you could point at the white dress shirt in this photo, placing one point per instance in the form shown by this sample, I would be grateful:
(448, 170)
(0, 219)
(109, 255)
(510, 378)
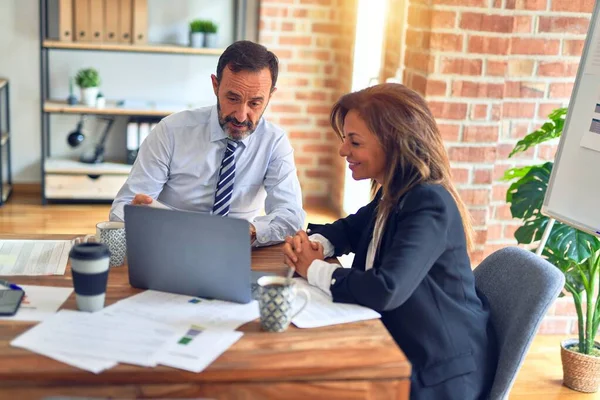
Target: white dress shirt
(178, 164)
(320, 272)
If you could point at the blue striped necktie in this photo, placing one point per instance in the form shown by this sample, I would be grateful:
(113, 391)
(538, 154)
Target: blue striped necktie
(226, 179)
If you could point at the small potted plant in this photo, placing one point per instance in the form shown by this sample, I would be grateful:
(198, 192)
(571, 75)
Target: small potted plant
(575, 253)
(210, 34)
(197, 33)
(88, 81)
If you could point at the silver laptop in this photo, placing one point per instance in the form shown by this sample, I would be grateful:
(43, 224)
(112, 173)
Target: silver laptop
(189, 253)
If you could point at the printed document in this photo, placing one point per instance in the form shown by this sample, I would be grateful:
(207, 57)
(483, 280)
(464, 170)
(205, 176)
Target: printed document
(34, 257)
(40, 302)
(322, 311)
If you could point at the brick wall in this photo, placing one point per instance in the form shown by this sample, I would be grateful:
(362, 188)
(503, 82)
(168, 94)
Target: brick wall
(491, 72)
(314, 42)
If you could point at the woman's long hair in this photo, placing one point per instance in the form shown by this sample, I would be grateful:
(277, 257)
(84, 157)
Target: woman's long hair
(413, 146)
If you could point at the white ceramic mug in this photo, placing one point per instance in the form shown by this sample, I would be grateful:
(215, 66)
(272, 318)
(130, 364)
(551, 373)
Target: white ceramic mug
(276, 296)
(112, 234)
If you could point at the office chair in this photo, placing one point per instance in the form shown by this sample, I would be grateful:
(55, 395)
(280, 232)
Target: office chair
(520, 287)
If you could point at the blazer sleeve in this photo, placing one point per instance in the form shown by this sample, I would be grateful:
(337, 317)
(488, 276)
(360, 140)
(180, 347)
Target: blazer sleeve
(418, 241)
(345, 233)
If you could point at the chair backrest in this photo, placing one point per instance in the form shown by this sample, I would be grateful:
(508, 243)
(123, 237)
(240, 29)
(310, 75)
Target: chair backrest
(520, 287)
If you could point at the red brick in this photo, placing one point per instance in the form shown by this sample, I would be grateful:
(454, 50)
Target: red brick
(494, 232)
(480, 134)
(546, 151)
(295, 135)
(273, 11)
(461, 66)
(561, 89)
(292, 82)
(325, 28)
(573, 5)
(504, 149)
(520, 67)
(414, 38)
(419, 16)
(488, 45)
(563, 25)
(526, 4)
(295, 40)
(499, 170)
(557, 69)
(476, 257)
(299, 13)
(286, 122)
(286, 108)
(449, 132)
(318, 148)
(520, 89)
(316, 201)
(546, 108)
(534, 46)
(480, 236)
(475, 197)
(465, 3)
(495, 68)
(479, 112)
(496, 112)
(499, 192)
(573, 47)
(486, 22)
(417, 60)
(502, 212)
(482, 176)
(472, 154)
(460, 175)
(443, 19)
(477, 89)
(418, 83)
(313, 109)
(318, 2)
(479, 217)
(317, 96)
(302, 68)
(518, 110)
(509, 231)
(435, 88)
(519, 130)
(300, 160)
(522, 24)
(321, 55)
(448, 110)
(288, 26)
(446, 42)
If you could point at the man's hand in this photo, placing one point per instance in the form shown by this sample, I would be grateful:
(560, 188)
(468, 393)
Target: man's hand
(141, 200)
(252, 233)
(299, 252)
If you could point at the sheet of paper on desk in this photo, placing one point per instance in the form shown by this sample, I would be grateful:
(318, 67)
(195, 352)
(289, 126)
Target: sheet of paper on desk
(322, 311)
(95, 365)
(98, 336)
(34, 257)
(40, 302)
(179, 311)
(195, 349)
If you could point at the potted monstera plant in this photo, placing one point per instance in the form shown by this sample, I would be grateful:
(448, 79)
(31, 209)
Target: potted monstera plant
(575, 253)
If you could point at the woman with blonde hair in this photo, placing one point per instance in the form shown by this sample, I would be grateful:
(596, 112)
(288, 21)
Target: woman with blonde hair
(410, 243)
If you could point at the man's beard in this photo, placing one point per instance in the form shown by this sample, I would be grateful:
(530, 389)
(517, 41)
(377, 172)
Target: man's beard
(231, 131)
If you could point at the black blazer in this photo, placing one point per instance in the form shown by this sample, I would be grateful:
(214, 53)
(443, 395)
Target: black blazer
(423, 286)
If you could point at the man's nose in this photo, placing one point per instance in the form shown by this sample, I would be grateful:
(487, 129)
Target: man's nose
(241, 113)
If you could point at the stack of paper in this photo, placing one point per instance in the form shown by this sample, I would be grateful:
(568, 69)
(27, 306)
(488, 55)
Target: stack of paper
(34, 257)
(148, 329)
(322, 311)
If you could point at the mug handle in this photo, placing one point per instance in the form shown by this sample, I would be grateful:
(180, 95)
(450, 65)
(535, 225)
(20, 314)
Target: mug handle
(84, 239)
(306, 300)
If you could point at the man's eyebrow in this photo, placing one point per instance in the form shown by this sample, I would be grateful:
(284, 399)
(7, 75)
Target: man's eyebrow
(258, 98)
(230, 93)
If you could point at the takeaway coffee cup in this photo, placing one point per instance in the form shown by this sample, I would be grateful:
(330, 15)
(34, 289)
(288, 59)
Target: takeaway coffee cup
(90, 266)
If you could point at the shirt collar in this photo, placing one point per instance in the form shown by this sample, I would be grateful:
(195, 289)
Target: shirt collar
(217, 133)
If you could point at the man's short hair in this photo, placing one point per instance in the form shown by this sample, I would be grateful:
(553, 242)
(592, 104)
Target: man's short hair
(245, 55)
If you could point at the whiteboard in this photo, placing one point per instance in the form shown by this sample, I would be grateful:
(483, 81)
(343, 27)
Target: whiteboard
(573, 194)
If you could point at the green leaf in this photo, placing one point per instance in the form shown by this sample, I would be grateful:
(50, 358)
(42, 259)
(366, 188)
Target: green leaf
(572, 244)
(526, 195)
(517, 172)
(532, 230)
(548, 131)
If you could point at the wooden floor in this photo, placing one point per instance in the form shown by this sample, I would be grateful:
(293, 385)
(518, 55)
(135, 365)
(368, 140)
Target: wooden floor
(540, 377)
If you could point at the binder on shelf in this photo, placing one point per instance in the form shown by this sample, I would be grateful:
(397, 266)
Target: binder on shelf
(125, 20)
(65, 20)
(140, 22)
(133, 141)
(82, 20)
(97, 20)
(111, 21)
(144, 131)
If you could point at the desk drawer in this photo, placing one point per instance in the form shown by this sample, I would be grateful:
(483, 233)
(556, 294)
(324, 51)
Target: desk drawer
(65, 186)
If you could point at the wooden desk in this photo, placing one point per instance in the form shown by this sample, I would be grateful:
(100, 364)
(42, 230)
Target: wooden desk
(349, 361)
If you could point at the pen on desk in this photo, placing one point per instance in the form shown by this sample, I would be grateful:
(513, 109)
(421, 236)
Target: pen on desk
(11, 286)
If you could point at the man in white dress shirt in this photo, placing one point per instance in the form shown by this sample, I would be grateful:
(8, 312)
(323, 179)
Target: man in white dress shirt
(185, 163)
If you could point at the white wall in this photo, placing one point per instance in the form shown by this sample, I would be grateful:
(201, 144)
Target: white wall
(152, 77)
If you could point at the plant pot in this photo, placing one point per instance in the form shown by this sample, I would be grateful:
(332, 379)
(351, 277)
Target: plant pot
(210, 40)
(196, 39)
(581, 372)
(88, 96)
